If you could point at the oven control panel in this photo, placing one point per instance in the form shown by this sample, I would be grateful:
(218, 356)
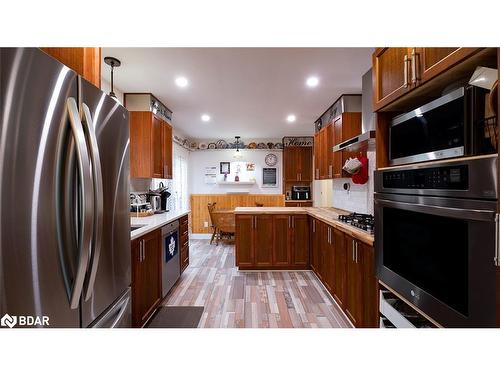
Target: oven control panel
(449, 177)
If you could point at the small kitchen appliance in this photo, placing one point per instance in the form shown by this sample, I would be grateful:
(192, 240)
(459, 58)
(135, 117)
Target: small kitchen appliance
(301, 193)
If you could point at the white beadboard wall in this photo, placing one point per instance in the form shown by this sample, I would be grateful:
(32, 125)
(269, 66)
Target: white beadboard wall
(360, 197)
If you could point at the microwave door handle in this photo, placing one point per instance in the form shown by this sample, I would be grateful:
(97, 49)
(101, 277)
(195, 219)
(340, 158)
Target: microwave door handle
(86, 229)
(98, 199)
(461, 213)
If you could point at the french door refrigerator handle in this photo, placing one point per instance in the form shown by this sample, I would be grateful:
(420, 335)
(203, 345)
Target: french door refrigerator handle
(497, 240)
(88, 126)
(85, 239)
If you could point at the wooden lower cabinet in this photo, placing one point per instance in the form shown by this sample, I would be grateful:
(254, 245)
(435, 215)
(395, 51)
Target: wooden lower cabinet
(184, 242)
(272, 241)
(146, 277)
(300, 240)
(328, 258)
(340, 266)
(315, 249)
(280, 245)
(244, 241)
(354, 300)
(263, 240)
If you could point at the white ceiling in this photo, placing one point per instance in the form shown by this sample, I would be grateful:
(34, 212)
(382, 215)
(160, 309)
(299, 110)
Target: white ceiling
(247, 91)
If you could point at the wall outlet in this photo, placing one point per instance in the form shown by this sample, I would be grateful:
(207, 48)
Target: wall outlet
(205, 224)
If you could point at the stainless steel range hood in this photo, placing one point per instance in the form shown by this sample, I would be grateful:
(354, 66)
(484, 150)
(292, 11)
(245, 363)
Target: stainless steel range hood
(366, 140)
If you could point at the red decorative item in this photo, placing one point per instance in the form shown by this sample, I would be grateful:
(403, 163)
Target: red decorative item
(362, 176)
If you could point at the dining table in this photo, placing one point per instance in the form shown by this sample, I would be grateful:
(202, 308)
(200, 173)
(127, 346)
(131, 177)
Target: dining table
(224, 223)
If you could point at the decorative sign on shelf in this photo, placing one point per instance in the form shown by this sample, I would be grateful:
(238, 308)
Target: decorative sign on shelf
(298, 141)
(210, 175)
(269, 177)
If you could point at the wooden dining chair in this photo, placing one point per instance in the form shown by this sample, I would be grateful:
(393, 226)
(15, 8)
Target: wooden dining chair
(225, 226)
(211, 208)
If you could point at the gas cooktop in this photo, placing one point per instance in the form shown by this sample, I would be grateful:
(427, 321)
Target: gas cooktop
(362, 221)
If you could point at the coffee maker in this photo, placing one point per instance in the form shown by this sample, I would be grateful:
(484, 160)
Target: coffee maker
(301, 193)
(161, 194)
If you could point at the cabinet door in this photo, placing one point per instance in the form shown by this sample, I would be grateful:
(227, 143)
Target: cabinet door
(167, 151)
(328, 258)
(354, 303)
(337, 156)
(323, 168)
(391, 75)
(157, 147)
(340, 267)
(300, 240)
(328, 151)
(138, 283)
(244, 240)
(305, 161)
(317, 147)
(140, 144)
(369, 282)
(290, 163)
(428, 62)
(315, 245)
(281, 247)
(263, 245)
(146, 278)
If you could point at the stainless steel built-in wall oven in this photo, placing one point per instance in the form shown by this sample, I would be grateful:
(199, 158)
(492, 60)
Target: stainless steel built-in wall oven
(436, 238)
(459, 123)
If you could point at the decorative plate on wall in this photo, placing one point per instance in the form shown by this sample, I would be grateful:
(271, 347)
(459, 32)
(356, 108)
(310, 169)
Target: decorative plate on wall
(203, 146)
(212, 146)
(221, 143)
(278, 145)
(252, 145)
(271, 160)
(261, 145)
(193, 145)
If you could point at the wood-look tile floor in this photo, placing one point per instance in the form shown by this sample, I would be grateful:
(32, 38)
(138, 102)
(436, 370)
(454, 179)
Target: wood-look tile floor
(232, 298)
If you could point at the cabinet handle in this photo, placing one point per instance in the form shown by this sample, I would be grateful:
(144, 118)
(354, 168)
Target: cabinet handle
(405, 71)
(353, 250)
(414, 72)
(314, 226)
(143, 250)
(317, 174)
(255, 222)
(356, 251)
(289, 221)
(330, 171)
(140, 251)
(293, 221)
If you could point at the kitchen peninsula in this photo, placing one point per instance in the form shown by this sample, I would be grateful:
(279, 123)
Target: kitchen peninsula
(303, 238)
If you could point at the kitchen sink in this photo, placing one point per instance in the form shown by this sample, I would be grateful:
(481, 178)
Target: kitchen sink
(134, 227)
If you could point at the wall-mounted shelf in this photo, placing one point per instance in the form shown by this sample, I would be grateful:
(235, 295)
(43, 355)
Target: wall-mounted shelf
(246, 183)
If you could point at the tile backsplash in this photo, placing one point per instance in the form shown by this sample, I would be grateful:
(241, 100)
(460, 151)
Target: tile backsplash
(359, 198)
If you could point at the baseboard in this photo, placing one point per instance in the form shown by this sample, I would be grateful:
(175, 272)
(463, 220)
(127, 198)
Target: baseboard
(200, 236)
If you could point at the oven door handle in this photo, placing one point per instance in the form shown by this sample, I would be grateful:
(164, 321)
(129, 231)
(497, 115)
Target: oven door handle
(454, 212)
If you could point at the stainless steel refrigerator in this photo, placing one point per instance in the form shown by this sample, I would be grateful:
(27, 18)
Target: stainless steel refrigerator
(64, 196)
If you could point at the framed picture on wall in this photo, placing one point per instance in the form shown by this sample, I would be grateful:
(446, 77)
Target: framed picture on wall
(225, 167)
(269, 177)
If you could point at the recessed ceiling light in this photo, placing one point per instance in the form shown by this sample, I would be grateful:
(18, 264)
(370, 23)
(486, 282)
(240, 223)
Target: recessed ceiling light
(291, 118)
(205, 118)
(312, 81)
(181, 81)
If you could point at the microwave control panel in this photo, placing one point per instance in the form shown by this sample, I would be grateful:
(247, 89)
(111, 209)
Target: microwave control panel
(450, 178)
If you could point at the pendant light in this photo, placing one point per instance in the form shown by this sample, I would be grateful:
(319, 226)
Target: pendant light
(237, 154)
(112, 62)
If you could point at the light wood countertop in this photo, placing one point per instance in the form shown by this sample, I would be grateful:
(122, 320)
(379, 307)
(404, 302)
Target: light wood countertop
(327, 215)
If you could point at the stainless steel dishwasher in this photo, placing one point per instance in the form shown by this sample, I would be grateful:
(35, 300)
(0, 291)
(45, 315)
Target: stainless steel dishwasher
(171, 268)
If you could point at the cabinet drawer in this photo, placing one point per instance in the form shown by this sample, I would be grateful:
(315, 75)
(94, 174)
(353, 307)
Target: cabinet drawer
(184, 242)
(183, 230)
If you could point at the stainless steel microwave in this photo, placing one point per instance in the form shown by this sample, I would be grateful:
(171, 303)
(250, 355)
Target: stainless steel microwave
(454, 125)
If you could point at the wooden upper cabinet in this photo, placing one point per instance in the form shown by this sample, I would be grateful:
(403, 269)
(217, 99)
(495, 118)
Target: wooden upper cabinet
(428, 62)
(298, 163)
(167, 151)
(150, 146)
(86, 61)
(140, 145)
(397, 71)
(290, 161)
(317, 150)
(157, 147)
(390, 74)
